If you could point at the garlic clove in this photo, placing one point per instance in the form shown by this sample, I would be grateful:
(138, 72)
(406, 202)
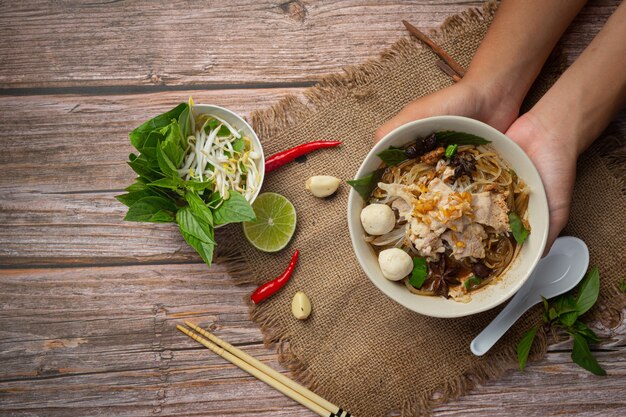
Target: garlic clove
(322, 185)
(301, 306)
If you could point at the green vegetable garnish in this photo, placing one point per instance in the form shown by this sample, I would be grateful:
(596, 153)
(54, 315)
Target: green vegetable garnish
(520, 233)
(420, 272)
(449, 137)
(393, 156)
(472, 282)
(160, 194)
(564, 313)
(451, 150)
(365, 185)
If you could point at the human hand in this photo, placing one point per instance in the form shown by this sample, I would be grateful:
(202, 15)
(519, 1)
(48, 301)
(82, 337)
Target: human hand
(466, 98)
(552, 149)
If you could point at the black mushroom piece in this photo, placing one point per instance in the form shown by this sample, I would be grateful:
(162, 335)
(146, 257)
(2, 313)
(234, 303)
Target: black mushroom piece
(421, 146)
(463, 164)
(430, 142)
(481, 270)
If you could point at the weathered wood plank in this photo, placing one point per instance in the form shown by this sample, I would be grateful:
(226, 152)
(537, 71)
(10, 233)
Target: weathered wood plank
(78, 43)
(84, 139)
(87, 341)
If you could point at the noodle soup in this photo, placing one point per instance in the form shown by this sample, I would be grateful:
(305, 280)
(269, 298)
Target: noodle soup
(446, 215)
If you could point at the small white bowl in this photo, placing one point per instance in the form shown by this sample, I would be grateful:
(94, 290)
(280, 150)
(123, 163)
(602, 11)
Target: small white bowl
(241, 125)
(491, 295)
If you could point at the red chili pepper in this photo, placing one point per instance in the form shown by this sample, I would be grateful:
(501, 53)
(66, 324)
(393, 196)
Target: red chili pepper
(281, 158)
(270, 288)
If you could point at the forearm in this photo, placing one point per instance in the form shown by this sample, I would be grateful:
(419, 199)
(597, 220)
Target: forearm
(519, 41)
(589, 94)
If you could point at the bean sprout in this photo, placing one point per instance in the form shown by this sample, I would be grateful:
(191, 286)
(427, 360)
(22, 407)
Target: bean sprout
(217, 152)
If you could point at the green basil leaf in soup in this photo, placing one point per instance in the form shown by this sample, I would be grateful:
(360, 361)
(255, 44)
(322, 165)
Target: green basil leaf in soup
(520, 233)
(450, 137)
(365, 185)
(392, 156)
(235, 209)
(419, 273)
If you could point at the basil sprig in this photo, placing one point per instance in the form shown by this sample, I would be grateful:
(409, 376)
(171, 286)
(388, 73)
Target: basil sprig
(392, 156)
(160, 195)
(450, 137)
(564, 312)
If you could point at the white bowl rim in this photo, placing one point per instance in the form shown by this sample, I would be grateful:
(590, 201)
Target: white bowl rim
(511, 290)
(206, 108)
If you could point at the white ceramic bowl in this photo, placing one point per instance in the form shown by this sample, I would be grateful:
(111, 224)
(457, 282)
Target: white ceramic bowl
(241, 125)
(521, 267)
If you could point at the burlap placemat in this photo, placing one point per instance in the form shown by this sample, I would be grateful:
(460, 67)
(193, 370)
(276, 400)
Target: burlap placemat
(359, 349)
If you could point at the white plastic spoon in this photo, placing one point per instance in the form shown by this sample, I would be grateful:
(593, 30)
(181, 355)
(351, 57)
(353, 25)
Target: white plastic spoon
(560, 271)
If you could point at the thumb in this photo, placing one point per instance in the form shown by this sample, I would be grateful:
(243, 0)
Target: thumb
(415, 110)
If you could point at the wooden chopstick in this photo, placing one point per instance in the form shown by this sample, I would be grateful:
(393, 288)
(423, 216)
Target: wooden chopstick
(264, 373)
(455, 66)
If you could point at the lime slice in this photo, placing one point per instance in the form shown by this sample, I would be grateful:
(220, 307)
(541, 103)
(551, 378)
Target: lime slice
(274, 225)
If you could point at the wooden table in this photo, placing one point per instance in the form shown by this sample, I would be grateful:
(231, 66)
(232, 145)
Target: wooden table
(88, 303)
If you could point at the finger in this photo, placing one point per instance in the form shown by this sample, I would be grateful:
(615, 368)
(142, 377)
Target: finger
(413, 111)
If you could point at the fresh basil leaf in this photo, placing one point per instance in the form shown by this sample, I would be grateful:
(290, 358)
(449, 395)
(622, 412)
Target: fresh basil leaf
(451, 150)
(234, 210)
(197, 185)
(151, 209)
(199, 207)
(173, 145)
(564, 304)
(132, 197)
(142, 167)
(517, 227)
(392, 156)
(224, 131)
(420, 272)
(186, 123)
(545, 303)
(581, 355)
(449, 137)
(568, 319)
(140, 134)
(582, 329)
(210, 126)
(239, 145)
(194, 225)
(365, 185)
(524, 345)
(169, 183)
(165, 164)
(552, 314)
(197, 233)
(622, 285)
(588, 291)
